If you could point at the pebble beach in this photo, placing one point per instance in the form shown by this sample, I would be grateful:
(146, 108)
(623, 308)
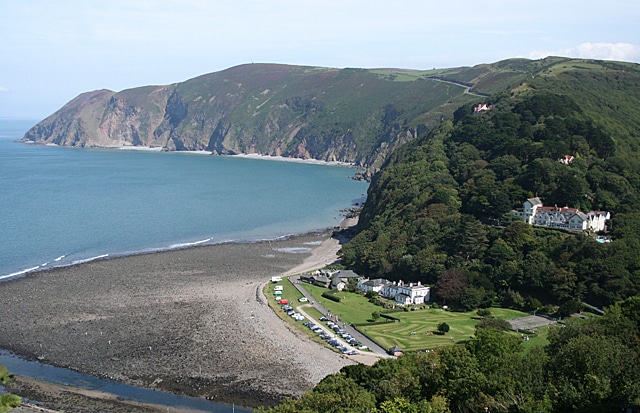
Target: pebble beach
(191, 321)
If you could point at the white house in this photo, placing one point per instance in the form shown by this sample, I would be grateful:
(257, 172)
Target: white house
(412, 293)
(535, 213)
(375, 285)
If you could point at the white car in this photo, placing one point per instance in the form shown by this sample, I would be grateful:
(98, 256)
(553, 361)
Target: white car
(303, 299)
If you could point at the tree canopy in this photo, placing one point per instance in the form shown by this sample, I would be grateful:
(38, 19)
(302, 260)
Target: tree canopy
(438, 210)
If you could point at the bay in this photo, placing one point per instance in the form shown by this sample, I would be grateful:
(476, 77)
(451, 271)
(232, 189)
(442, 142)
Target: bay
(60, 206)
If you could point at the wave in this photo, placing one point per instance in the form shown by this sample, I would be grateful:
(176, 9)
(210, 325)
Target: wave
(189, 244)
(89, 259)
(18, 273)
(59, 261)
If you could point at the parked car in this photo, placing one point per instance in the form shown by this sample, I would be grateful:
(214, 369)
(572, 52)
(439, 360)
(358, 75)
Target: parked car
(303, 299)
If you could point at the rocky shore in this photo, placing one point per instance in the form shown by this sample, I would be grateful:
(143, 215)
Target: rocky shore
(190, 321)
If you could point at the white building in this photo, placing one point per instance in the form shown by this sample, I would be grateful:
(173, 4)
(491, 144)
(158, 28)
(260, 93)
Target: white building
(412, 293)
(375, 285)
(534, 213)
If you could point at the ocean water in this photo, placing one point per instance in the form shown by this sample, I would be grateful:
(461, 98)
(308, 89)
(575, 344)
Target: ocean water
(60, 206)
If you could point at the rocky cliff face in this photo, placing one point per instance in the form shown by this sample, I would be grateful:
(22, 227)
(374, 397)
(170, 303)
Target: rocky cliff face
(348, 115)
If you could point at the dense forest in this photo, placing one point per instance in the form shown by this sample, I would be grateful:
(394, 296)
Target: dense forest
(439, 212)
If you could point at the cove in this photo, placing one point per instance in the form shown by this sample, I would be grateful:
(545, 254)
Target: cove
(57, 375)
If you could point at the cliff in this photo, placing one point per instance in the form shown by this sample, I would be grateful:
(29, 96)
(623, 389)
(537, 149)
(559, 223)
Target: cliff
(349, 115)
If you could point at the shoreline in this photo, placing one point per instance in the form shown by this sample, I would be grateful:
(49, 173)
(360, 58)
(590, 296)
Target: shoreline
(204, 152)
(51, 265)
(191, 321)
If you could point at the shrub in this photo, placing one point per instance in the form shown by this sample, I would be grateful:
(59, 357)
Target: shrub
(331, 296)
(443, 328)
(484, 312)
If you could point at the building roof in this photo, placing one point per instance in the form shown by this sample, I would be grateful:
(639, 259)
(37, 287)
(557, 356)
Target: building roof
(346, 274)
(535, 201)
(376, 282)
(336, 281)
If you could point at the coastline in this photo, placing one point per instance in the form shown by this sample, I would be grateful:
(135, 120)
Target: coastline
(190, 321)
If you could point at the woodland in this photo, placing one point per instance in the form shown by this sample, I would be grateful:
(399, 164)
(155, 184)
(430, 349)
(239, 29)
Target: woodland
(438, 211)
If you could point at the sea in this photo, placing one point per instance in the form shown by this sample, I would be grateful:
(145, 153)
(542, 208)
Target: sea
(62, 206)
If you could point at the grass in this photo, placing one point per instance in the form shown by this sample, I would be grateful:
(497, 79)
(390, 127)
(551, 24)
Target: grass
(416, 330)
(353, 308)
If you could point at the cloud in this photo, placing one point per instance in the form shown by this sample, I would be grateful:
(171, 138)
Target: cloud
(3, 89)
(626, 52)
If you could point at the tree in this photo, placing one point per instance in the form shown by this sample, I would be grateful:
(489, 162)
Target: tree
(443, 328)
(9, 401)
(375, 315)
(484, 312)
(451, 285)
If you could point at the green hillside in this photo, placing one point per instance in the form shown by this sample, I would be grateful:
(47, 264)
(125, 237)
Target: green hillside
(438, 211)
(349, 115)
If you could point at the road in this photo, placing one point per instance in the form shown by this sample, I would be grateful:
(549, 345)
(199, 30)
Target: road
(467, 89)
(377, 351)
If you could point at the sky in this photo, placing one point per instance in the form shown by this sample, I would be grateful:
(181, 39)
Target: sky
(53, 50)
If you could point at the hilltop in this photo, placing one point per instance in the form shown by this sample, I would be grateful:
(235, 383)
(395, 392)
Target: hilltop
(349, 115)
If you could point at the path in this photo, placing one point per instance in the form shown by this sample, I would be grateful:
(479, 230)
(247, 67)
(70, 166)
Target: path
(467, 89)
(373, 346)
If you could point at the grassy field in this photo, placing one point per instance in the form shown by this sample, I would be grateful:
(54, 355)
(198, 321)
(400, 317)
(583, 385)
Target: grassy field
(353, 308)
(417, 330)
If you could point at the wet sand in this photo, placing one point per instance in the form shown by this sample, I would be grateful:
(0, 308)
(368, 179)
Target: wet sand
(190, 321)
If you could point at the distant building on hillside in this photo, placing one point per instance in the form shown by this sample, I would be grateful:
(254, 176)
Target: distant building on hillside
(567, 159)
(481, 107)
(535, 213)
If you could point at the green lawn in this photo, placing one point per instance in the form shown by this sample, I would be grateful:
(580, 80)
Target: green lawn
(416, 330)
(353, 308)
